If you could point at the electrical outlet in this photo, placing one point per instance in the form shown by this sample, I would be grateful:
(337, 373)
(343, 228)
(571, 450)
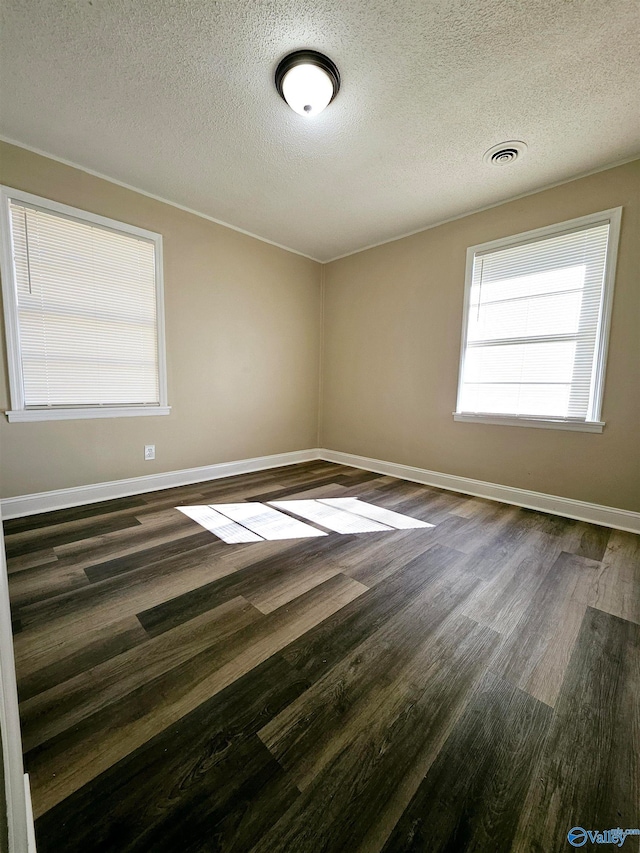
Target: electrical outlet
(149, 451)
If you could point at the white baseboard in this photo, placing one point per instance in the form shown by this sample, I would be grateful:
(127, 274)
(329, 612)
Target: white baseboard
(62, 498)
(77, 496)
(621, 519)
(31, 830)
(11, 747)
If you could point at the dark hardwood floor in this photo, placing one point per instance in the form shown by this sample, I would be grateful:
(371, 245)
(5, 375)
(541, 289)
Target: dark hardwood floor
(471, 686)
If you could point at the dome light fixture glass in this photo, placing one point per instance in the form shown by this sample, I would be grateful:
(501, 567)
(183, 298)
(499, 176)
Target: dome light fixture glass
(308, 81)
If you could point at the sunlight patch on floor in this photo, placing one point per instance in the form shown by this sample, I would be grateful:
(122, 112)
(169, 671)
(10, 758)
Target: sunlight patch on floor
(256, 522)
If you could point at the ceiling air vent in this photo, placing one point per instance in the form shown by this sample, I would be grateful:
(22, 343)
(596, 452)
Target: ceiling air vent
(505, 152)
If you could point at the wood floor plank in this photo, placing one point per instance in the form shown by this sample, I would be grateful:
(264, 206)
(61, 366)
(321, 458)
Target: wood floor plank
(217, 493)
(401, 491)
(100, 604)
(300, 482)
(357, 476)
(31, 561)
(59, 537)
(296, 565)
(369, 491)
(553, 525)
(589, 774)
(54, 711)
(309, 493)
(63, 532)
(515, 576)
(586, 540)
(37, 584)
(324, 646)
(37, 650)
(60, 662)
(382, 554)
(205, 488)
(156, 503)
(494, 527)
(492, 548)
(473, 506)
(109, 545)
(145, 556)
(230, 802)
(473, 794)
(535, 655)
(226, 798)
(545, 676)
(616, 587)
(62, 516)
(321, 488)
(307, 735)
(71, 760)
(369, 781)
(154, 580)
(277, 594)
(75, 602)
(430, 505)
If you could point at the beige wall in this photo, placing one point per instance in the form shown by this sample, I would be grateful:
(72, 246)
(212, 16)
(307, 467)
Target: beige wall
(392, 322)
(243, 328)
(243, 351)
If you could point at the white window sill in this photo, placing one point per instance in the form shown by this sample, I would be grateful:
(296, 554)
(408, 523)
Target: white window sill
(28, 415)
(538, 423)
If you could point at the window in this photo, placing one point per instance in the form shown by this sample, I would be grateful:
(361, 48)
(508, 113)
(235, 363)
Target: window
(536, 325)
(83, 313)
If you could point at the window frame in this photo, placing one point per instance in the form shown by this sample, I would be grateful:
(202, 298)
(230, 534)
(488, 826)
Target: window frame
(613, 216)
(19, 412)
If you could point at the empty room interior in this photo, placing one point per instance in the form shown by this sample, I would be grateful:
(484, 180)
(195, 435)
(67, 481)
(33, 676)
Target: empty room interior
(319, 426)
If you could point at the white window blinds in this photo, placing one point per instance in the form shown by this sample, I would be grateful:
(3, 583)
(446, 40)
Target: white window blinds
(86, 311)
(534, 327)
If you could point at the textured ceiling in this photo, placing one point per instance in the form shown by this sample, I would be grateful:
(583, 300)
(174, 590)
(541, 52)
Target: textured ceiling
(176, 97)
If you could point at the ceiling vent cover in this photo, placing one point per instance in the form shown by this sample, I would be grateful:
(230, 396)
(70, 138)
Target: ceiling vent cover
(505, 152)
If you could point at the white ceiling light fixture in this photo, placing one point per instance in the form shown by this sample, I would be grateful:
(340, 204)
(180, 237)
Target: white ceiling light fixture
(308, 81)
